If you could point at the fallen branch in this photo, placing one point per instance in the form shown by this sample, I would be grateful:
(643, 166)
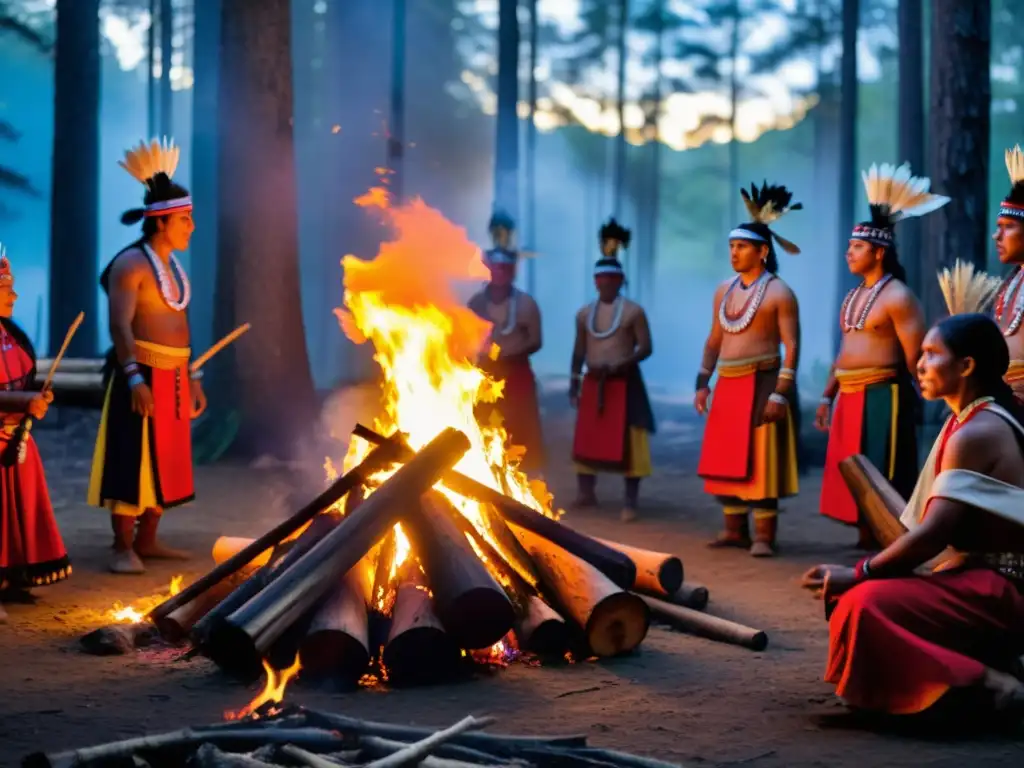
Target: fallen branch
(414, 753)
(705, 625)
(307, 758)
(377, 746)
(208, 756)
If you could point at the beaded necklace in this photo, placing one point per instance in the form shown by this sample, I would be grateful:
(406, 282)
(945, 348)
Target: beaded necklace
(1011, 289)
(619, 307)
(164, 277)
(742, 321)
(851, 300)
(510, 317)
(957, 421)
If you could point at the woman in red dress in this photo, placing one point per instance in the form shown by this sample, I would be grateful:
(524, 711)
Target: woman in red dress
(903, 632)
(31, 550)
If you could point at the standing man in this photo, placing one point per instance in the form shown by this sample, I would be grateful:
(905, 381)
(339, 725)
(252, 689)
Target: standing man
(870, 389)
(614, 418)
(142, 464)
(517, 335)
(748, 457)
(1009, 238)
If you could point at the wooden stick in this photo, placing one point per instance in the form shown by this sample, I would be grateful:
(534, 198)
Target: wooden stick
(307, 758)
(251, 630)
(615, 565)
(469, 602)
(337, 644)
(879, 504)
(415, 752)
(63, 348)
(377, 746)
(208, 756)
(613, 621)
(175, 626)
(689, 595)
(229, 546)
(705, 625)
(656, 572)
(204, 358)
(376, 460)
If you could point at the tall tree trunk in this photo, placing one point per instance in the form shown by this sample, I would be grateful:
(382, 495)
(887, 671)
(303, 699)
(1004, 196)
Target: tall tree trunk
(396, 119)
(911, 126)
(620, 106)
(531, 153)
(506, 151)
(203, 184)
(151, 125)
(734, 101)
(258, 251)
(166, 54)
(959, 131)
(654, 200)
(74, 211)
(849, 86)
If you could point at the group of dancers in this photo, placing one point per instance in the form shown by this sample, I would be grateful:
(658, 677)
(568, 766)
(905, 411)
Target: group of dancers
(900, 641)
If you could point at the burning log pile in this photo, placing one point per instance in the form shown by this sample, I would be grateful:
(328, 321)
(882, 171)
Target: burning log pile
(299, 737)
(327, 587)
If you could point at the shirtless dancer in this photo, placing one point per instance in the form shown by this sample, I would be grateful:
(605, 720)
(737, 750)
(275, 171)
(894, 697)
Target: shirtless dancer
(614, 420)
(1009, 238)
(517, 334)
(143, 459)
(870, 389)
(748, 457)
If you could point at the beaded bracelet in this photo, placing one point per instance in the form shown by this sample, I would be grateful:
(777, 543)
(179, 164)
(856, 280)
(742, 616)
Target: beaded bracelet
(135, 380)
(778, 398)
(863, 569)
(787, 374)
(196, 375)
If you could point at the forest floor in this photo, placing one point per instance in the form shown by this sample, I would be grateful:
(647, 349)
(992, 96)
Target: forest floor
(679, 698)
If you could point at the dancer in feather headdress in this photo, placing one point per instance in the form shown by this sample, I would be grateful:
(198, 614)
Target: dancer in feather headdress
(142, 464)
(614, 420)
(1009, 239)
(32, 552)
(517, 334)
(748, 457)
(900, 641)
(870, 393)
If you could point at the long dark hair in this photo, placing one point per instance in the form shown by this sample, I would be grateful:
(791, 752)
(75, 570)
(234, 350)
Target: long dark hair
(977, 336)
(891, 263)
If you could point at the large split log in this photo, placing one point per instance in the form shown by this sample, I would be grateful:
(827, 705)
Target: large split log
(229, 546)
(656, 572)
(248, 633)
(418, 650)
(376, 460)
(284, 557)
(705, 625)
(613, 621)
(471, 605)
(337, 644)
(176, 626)
(879, 504)
(612, 563)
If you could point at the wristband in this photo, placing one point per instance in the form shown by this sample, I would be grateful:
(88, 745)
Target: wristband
(195, 375)
(135, 380)
(863, 569)
(787, 374)
(703, 379)
(778, 399)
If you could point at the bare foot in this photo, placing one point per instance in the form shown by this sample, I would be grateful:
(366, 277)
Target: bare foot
(762, 549)
(126, 561)
(157, 551)
(627, 515)
(1007, 691)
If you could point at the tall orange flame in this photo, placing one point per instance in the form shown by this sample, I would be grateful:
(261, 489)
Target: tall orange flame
(273, 690)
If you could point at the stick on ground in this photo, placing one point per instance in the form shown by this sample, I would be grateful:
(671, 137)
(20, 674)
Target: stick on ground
(420, 749)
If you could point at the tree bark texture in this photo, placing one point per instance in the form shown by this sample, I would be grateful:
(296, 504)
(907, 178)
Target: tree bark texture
(74, 196)
(849, 181)
(506, 151)
(910, 19)
(257, 238)
(960, 103)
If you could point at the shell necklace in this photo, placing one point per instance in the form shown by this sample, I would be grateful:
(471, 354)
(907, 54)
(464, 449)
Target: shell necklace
(851, 299)
(510, 317)
(164, 277)
(741, 322)
(1011, 290)
(619, 306)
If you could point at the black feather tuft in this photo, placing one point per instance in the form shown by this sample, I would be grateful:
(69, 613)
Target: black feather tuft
(612, 230)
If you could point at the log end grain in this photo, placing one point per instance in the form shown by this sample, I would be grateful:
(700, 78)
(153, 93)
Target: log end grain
(423, 655)
(670, 575)
(233, 651)
(334, 654)
(478, 618)
(617, 624)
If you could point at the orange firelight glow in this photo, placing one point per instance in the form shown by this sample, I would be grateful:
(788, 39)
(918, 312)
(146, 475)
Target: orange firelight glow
(136, 612)
(273, 690)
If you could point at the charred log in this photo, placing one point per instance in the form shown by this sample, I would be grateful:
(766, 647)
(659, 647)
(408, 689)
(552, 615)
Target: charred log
(337, 644)
(656, 572)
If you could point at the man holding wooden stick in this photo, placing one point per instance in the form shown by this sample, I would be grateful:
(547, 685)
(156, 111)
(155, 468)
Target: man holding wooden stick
(748, 456)
(870, 390)
(143, 459)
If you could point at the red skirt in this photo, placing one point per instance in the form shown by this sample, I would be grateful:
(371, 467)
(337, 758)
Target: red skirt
(32, 552)
(898, 645)
(602, 422)
(519, 410)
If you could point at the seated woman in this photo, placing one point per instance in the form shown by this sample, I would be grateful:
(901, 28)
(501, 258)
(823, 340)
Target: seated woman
(31, 550)
(899, 642)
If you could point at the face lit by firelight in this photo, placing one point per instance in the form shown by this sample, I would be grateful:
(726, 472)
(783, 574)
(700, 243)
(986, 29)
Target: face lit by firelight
(7, 298)
(176, 229)
(1009, 239)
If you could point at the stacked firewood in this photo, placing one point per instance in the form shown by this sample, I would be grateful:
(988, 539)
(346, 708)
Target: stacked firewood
(552, 589)
(301, 737)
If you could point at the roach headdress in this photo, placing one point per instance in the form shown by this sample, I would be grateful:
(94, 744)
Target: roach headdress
(501, 220)
(1013, 203)
(893, 195)
(766, 206)
(612, 230)
(966, 290)
(153, 165)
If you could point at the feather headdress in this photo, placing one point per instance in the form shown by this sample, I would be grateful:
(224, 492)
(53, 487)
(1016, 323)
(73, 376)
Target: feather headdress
(766, 206)
(153, 165)
(1013, 203)
(6, 276)
(612, 230)
(967, 290)
(894, 194)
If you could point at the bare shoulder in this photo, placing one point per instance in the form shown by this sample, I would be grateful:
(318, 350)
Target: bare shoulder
(722, 288)
(898, 299)
(528, 304)
(978, 444)
(780, 293)
(582, 313)
(128, 266)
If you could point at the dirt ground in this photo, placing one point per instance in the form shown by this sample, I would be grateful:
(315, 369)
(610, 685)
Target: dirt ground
(679, 698)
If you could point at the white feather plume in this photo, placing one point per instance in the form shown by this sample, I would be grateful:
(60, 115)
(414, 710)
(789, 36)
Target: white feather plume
(1015, 164)
(147, 160)
(966, 289)
(899, 193)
